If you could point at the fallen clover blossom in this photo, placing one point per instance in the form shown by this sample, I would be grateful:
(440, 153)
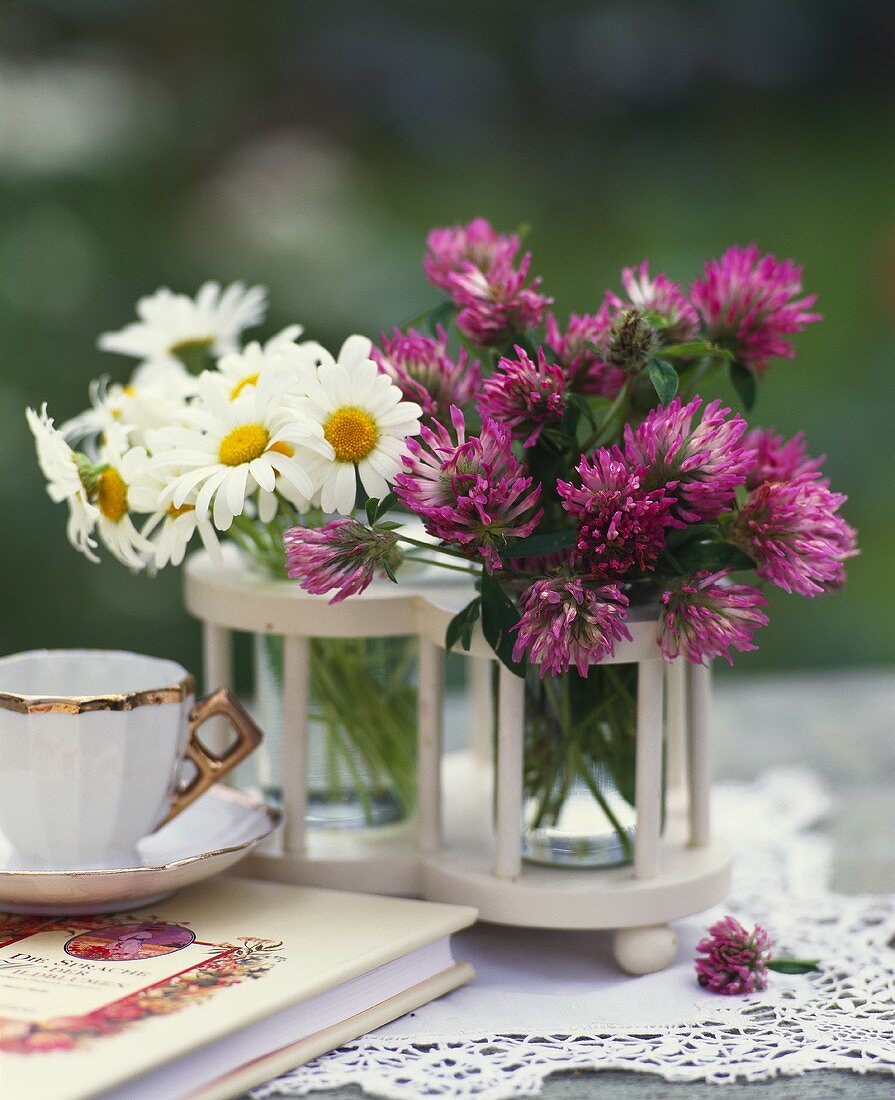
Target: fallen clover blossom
(737, 962)
(344, 555)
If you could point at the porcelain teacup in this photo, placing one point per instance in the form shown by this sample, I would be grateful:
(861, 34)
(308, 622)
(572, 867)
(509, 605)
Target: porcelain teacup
(91, 748)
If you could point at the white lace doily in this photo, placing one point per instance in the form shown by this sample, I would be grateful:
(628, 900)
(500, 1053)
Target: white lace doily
(547, 1001)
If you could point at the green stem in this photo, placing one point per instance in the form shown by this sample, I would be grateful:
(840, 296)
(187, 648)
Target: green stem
(607, 428)
(432, 546)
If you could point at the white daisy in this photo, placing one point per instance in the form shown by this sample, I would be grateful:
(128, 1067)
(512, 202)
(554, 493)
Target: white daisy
(230, 448)
(175, 329)
(62, 467)
(172, 529)
(238, 369)
(363, 418)
(117, 470)
(123, 413)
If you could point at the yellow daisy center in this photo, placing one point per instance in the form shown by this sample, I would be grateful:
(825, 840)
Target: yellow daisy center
(174, 513)
(283, 448)
(243, 444)
(111, 495)
(249, 380)
(351, 432)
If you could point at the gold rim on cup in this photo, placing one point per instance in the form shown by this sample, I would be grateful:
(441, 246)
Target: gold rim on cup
(83, 704)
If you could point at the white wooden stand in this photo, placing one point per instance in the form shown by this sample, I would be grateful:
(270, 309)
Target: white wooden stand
(464, 844)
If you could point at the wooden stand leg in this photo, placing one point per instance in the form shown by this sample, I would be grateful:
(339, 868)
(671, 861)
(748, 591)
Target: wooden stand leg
(699, 686)
(431, 724)
(508, 858)
(296, 655)
(644, 950)
(217, 660)
(648, 773)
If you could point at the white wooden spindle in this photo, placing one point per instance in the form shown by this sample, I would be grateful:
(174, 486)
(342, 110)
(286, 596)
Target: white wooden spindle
(648, 789)
(508, 767)
(430, 731)
(699, 686)
(481, 707)
(675, 724)
(217, 661)
(296, 653)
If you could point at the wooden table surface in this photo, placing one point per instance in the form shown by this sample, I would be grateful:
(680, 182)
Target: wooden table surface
(842, 724)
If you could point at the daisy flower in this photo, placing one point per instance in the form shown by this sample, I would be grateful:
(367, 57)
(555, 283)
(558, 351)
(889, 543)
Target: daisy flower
(169, 530)
(174, 329)
(238, 369)
(364, 421)
(62, 467)
(127, 412)
(227, 449)
(118, 468)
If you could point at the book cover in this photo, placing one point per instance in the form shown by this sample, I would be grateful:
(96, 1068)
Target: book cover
(88, 1003)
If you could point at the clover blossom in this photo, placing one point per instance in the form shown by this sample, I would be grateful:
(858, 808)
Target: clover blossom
(777, 459)
(425, 372)
(472, 493)
(707, 462)
(582, 349)
(567, 621)
(621, 523)
(663, 300)
(524, 396)
(736, 961)
(450, 248)
(344, 555)
(704, 615)
(749, 303)
(494, 305)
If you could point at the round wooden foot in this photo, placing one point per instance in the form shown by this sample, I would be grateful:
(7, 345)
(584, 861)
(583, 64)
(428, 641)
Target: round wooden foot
(644, 950)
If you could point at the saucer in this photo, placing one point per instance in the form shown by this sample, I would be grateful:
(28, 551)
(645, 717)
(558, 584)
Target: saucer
(214, 833)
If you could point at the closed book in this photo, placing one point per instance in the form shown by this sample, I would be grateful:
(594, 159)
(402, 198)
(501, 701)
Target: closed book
(212, 991)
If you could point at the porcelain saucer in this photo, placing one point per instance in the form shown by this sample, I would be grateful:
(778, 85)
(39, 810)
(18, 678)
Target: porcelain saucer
(214, 833)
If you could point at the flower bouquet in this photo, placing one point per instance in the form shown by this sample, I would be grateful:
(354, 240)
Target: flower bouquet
(579, 474)
(213, 441)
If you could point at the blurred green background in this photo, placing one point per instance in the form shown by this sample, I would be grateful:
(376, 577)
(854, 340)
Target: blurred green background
(310, 146)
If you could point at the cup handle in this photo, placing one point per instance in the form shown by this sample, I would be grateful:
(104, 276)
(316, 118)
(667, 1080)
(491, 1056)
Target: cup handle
(211, 768)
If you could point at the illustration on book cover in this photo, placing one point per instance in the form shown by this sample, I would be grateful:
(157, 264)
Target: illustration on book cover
(66, 983)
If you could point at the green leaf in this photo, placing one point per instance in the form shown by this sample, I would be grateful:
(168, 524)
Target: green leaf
(794, 966)
(712, 556)
(440, 314)
(536, 545)
(743, 381)
(499, 616)
(460, 627)
(582, 405)
(376, 508)
(695, 349)
(664, 379)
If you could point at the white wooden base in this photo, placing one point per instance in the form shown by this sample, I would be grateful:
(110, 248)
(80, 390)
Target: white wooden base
(462, 871)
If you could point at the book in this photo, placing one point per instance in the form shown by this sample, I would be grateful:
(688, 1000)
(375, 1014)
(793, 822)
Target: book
(213, 991)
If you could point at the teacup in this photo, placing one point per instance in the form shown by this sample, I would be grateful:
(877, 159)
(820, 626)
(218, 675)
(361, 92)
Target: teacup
(91, 748)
